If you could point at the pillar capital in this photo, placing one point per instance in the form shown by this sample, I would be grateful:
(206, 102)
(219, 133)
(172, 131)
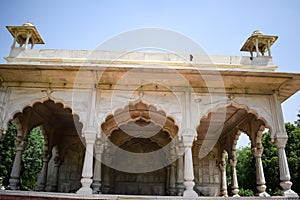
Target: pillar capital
(233, 162)
(280, 142)
(20, 143)
(188, 137)
(222, 165)
(99, 147)
(90, 136)
(257, 151)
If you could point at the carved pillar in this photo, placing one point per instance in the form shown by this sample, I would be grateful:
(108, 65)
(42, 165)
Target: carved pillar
(97, 168)
(260, 177)
(284, 171)
(179, 181)
(167, 184)
(106, 180)
(257, 152)
(42, 179)
(57, 162)
(222, 166)
(188, 138)
(106, 170)
(234, 181)
(279, 137)
(189, 174)
(87, 171)
(15, 172)
(172, 180)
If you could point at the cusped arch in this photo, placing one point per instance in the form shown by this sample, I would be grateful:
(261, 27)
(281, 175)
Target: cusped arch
(19, 108)
(139, 111)
(249, 110)
(223, 122)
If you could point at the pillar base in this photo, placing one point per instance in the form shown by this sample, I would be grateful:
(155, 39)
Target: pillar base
(85, 189)
(290, 193)
(189, 191)
(96, 187)
(262, 191)
(40, 188)
(180, 189)
(172, 191)
(14, 184)
(287, 192)
(263, 194)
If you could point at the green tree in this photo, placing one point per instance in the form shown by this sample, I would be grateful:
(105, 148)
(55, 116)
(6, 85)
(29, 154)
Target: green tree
(293, 154)
(7, 152)
(271, 165)
(245, 166)
(31, 157)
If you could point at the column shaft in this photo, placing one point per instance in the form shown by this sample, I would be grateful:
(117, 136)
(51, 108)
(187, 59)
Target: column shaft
(87, 170)
(180, 179)
(223, 177)
(97, 168)
(189, 174)
(172, 180)
(260, 177)
(234, 181)
(42, 179)
(15, 172)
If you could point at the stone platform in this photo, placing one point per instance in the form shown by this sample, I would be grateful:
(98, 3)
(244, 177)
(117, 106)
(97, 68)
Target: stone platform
(29, 195)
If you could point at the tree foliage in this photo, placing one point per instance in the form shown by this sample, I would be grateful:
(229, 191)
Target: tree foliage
(31, 157)
(7, 152)
(245, 165)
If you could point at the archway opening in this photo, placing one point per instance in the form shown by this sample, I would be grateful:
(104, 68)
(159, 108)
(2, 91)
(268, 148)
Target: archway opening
(219, 131)
(143, 130)
(61, 129)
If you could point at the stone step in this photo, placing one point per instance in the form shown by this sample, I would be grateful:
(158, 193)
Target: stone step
(29, 195)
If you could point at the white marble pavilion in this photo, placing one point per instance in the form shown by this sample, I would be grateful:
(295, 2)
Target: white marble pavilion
(143, 123)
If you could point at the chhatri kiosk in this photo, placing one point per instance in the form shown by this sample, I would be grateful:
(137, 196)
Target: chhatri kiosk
(142, 122)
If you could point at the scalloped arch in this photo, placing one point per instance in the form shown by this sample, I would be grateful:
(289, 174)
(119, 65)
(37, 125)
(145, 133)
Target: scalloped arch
(20, 108)
(136, 111)
(238, 106)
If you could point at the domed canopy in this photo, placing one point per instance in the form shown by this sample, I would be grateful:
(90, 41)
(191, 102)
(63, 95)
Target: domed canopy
(27, 30)
(259, 43)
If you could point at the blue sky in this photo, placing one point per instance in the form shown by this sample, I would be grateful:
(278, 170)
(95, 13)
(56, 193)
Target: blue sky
(220, 27)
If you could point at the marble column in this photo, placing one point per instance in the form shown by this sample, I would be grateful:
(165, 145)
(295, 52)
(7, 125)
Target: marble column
(87, 170)
(180, 179)
(284, 171)
(14, 181)
(97, 168)
(260, 177)
(172, 189)
(106, 180)
(189, 174)
(222, 166)
(188, 138)
(107, 156)
(167, 183)
(57, 162)
(42, 179)
(234, 181)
